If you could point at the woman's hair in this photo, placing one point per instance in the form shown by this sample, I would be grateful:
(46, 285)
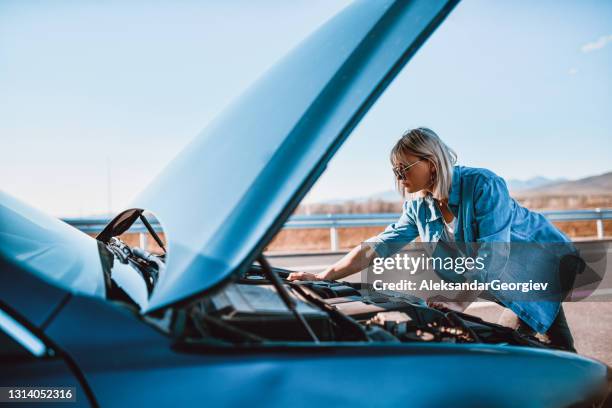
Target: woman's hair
(425, 143)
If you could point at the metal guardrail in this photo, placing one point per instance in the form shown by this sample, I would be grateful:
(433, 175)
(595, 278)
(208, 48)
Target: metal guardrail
(333, 222)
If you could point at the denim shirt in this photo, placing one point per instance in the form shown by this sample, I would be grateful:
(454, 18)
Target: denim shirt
(485, 213)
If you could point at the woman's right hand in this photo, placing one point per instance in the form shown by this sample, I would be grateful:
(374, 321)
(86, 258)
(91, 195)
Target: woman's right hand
(303, 276)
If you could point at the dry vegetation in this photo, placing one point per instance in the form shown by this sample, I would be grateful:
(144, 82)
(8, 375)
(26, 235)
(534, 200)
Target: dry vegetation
(318, 239)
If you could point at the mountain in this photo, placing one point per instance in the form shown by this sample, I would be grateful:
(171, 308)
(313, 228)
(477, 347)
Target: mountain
(515, 185)
(537, 186)
(593, 185)
(388, 196)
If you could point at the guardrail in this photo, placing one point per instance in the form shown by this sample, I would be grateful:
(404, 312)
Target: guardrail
(333, 222)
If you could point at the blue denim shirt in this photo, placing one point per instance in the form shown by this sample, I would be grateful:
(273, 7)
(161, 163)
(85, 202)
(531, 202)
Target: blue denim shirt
(485, 213)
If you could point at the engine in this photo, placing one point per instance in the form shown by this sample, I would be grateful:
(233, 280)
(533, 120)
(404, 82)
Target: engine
(339, 311)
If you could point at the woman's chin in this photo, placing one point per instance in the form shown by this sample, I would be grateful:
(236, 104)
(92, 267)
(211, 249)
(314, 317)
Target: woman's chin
(412, 190)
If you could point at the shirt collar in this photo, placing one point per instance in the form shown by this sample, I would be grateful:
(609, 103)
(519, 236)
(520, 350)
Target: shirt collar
(432, 212)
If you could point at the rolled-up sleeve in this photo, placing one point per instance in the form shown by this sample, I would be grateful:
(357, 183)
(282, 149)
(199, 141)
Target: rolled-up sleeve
(396, 235)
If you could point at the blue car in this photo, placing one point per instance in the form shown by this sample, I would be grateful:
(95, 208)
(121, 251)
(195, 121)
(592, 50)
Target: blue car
(207, 321)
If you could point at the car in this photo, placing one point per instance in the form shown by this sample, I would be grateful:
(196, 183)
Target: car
(207, 320)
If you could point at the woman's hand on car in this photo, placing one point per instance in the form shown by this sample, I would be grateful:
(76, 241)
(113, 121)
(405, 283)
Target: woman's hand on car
(304, 276)
(444, 305)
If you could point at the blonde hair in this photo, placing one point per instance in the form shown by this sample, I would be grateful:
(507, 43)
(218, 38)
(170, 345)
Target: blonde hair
(425, 144)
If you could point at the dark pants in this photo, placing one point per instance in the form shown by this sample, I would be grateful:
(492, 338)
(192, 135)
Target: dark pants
(558, 335)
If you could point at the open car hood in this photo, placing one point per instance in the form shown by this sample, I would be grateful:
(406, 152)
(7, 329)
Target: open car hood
(232, 188)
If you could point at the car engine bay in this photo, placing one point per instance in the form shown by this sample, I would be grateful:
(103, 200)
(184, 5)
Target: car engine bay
(251, 310)
(262, 307)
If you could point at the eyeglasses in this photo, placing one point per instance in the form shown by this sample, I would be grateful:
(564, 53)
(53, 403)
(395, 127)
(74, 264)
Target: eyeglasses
(401, 171)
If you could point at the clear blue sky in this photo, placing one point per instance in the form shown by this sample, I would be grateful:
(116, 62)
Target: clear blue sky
(522, 88)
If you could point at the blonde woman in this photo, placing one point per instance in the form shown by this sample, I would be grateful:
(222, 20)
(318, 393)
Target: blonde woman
(463, 204)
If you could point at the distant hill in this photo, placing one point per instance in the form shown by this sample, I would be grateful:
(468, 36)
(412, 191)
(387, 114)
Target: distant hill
(534, 187)
(515, 185)
(593, 185)
(387, 196)
(390, 196)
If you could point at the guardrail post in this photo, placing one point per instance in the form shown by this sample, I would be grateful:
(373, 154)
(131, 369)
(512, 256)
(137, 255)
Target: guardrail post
(334, 239)
(600, 226)
(143, 240)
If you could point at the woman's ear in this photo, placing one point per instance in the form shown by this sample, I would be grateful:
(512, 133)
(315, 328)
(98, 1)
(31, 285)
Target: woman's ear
(433, 176)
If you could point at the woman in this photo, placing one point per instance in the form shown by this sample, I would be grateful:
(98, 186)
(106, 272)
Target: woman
(463, 204)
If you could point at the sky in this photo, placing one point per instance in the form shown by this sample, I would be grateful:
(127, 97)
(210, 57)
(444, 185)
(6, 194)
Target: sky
(97, 97)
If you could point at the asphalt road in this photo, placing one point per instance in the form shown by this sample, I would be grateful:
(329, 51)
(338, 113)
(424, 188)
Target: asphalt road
(590, 321)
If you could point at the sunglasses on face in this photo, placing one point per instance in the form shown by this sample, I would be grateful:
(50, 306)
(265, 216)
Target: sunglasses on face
(402, 170)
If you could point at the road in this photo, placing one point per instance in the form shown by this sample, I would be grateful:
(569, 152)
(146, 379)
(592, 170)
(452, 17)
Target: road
(590, 322)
